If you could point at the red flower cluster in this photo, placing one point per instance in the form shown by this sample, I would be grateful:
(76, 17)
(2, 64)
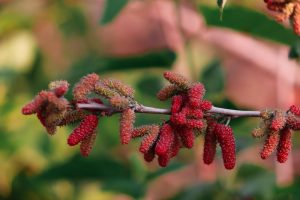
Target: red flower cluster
(286, 10)
(187, 119)
(49, 106)
(277, 126)
(190, 116)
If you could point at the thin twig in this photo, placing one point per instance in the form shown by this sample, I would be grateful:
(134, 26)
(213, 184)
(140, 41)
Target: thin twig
(152, 110)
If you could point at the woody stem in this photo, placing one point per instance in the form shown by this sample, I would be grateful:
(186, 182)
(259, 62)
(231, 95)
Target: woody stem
(152, 110)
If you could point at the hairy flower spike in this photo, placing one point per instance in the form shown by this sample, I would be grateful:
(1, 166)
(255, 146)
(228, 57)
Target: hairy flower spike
(293, 122)
(59, 88)
(166, 138)
(119, 102)
(87, 144)
(149, 155)
(126, 125)
(270, 145)
(118, 86)
(194, 123)
(167, 92)
(149, 141)
(176, 103)
(187, 136)
(295, 110)
(278, 121)
(285, 145)
(143, 130)
(177, 79)
(85, 86)
(195, 94)
(226, 140)
(85, 128)
(71, 117)
(210, 144)
(205, 105)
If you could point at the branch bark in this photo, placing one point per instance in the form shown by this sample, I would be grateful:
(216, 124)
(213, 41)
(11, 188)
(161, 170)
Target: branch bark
(151, 110)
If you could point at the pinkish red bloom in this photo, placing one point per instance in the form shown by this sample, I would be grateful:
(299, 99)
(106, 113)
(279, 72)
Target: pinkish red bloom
(205, 105)
(295, 110)
(195, 94)
(87, 144)
(148, 142)
(85, 128)
(278, 120)
(176, 104)
(126, 125)
(167, 92)
(187, 136)
(118, 86)
(285, 145)
(270, 145)
(226, 140)
(177, 79)
(59, 88)
(165, 140)
(210, 143)
(85, 86)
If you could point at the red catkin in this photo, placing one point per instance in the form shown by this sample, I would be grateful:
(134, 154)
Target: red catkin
(87, 144)
(126, 125)
(85, 128)
(210, 144)
(119, 102)
(177, 79)
(293, 122)
(175, 146)
(164, 160)
(270, 145)
(226, 140)
(143, 130)
(194, 123)
(167, 92)
(59, 88)
(176, 103)
(295, 110)
(85, 86)
(285, 145)
(118, 86)
(195, 94)
(166, 138)
(278, 121)
(148, 142)
(187, 136)
(205, 105)
(149, 155)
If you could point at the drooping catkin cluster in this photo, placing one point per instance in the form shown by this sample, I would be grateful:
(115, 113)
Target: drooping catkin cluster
(222, 134)
(190, 115)
(50, 106)
(276, 127)
(286, 10)
(186, 121)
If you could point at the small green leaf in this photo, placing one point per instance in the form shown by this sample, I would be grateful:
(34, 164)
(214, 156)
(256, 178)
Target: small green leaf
(112, 8)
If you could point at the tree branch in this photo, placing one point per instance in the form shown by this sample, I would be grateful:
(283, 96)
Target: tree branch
(152, 110)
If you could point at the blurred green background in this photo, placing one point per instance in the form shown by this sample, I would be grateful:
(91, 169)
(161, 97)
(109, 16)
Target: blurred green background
(44, 40)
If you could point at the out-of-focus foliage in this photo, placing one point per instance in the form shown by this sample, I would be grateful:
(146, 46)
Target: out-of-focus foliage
(43, 40)
(249, 21)
(112, 8)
